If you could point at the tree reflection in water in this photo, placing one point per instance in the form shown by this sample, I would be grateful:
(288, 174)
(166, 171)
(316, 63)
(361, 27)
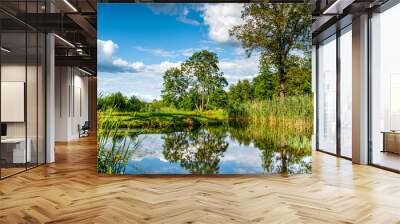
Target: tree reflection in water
(284, 150)
(198, 151)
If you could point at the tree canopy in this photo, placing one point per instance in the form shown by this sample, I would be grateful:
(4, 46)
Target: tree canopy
(119, 102)
(279, 32)
(198, 84)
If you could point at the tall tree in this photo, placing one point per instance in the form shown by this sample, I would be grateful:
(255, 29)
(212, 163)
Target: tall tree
(279, 32)
(202, 68)
(175, 86)
(265, 85)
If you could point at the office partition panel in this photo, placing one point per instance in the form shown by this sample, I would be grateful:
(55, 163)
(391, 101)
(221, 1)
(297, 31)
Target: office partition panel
(15, 149)
(346, 92)
(22, 77)
(41, 96)
(327, 95)
(31, 99)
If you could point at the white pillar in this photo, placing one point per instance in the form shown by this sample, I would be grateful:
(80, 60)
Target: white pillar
(50, 99)
(360, 90)
(314, 90)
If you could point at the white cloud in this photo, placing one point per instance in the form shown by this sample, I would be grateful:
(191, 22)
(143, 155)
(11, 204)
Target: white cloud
(107, 62)
(157, 51)
(145, 80)
(239, 51)
(220, 18)
(135, 78)
(181, 12)
(135, 66)
(120, 62)
(183, 18)
(239, 69)
(106, 47)
(176, 53)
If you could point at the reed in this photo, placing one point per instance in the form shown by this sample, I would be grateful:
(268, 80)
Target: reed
(295, 111)
(115, 148)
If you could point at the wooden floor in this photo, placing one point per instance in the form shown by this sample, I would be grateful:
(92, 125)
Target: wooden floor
(70, 191)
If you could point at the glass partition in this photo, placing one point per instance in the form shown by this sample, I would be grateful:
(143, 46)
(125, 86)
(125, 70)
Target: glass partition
(346, 92)
(41, 96)
(327, 95)
(13, 90)
(22, 88)
(385, 89)
(31, 98)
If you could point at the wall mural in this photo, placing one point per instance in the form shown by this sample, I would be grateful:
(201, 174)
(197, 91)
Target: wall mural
(204, 88)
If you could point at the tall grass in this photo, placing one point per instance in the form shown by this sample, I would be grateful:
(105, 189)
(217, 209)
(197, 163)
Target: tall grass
(114, 147)
(293, 111)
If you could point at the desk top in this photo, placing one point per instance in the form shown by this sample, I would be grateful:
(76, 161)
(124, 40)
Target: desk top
(13, 140)
(391, 132)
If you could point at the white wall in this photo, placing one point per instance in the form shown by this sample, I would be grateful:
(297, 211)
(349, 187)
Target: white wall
(71, 102)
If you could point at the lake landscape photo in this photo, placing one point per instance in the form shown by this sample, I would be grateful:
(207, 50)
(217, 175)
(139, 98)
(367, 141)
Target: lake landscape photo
(204, 89)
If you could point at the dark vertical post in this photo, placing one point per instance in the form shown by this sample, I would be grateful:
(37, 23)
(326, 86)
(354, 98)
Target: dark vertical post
(37, 88)
(45, 89)
(338, 73)
(317, 97)
(369, 54)
(26, 86)
(0, 93)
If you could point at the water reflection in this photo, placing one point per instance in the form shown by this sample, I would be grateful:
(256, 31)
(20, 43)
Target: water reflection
(198, 151)
(234, 148)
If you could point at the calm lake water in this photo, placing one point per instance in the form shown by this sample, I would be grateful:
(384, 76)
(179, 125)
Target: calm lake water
(230, 149)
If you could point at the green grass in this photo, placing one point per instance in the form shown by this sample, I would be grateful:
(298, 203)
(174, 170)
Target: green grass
(172, 119)
(295, 111)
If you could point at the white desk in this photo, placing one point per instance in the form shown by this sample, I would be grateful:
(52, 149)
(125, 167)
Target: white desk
(19, 154)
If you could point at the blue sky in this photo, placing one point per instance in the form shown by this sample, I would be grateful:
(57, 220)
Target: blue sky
(138, 42)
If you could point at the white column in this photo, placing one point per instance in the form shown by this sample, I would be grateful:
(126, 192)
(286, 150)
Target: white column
(50, 98)
(314, 90)
(360, 90)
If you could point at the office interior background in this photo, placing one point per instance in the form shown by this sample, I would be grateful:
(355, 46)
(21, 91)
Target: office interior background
(48, 93)
(356, 80)
(48, 79)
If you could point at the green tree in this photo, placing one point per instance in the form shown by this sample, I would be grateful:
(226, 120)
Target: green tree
(134, 104)
(299, 78)
(175, 86)
(116, 101)
(205, 77)
(242, 91)
(279, 32)
(265, 86)
(219, 99)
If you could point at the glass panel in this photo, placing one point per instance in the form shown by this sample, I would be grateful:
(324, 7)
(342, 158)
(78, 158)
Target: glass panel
(346, 92)
(23, 90)
(41, 99)
(31, 98)
(327, 95)
(385, 84)
(13, 86)
(32, 88)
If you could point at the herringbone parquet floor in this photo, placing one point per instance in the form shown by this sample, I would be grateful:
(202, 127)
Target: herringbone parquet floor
(70, 191)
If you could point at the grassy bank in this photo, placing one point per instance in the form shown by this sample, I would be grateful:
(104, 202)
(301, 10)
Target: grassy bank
(294, 111)
(169, 119)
